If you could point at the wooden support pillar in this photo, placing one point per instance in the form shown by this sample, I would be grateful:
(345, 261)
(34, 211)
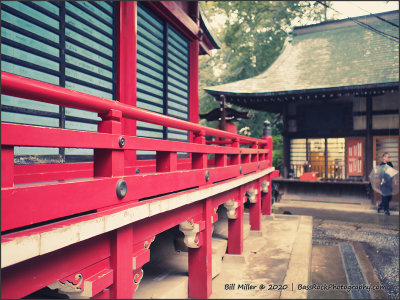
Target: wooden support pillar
(235, 225)
(286, 142)
(200, 259)
(255, 208)
(121, 263)
(326, 158)
(266, 198)
(126, 66)
(368, 141)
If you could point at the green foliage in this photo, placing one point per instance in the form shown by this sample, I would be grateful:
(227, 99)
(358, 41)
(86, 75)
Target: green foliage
(252, 37)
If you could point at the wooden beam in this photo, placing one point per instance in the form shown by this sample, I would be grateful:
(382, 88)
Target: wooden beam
(368, 140)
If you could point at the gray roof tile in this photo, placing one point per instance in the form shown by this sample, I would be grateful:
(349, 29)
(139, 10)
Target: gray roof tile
(326, 55)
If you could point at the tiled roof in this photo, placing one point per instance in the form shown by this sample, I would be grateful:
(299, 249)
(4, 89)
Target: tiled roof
(328, 55)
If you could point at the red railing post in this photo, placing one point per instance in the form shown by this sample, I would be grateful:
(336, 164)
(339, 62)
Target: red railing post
(7, 166)
(245, 158)
(166, 161)
(199, 160)
(221, 160)
(254, 157)
(108, 163)
(235, 158)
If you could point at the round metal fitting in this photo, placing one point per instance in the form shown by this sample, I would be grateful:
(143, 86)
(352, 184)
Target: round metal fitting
(122, 188)
(207, 175)
(137, 170)
(121, 141)
(241, 170)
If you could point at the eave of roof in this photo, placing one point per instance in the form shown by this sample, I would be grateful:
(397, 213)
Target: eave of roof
(211, 41)
(343, 56)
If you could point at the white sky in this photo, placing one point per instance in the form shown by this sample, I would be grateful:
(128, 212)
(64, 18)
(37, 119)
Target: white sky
(350, 9)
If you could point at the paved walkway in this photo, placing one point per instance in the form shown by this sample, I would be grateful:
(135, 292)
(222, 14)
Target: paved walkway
(274, 262)
(341, 266)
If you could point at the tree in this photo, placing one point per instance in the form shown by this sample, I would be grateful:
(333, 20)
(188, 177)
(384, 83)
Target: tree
(252, 37)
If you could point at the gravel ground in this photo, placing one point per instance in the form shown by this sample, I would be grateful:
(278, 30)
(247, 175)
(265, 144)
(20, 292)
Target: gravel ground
(380, 242)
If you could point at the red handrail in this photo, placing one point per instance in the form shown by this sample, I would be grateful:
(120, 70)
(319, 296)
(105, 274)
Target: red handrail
(18, 86)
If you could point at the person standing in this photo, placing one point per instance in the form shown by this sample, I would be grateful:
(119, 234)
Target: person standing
(385, 184)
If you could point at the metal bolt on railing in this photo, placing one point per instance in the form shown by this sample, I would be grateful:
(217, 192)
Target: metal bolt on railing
(121, 141)
(122, 188)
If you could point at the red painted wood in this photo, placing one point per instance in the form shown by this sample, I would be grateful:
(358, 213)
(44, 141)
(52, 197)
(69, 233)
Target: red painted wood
(194, 81)
(29, 276)
(249, 167)
(48, 172)
(7, 165)
(35, 136)
(82, 195)
(43, 201)
(177, 16)
(199, 160)
(223, 173)
(245, 158)
(101, 280)
(109, 162)
(121, 263)
(219, 142)
(98, 274)
(161, 222)
(255, 157)
(18, 86)
(200, 259)
(55, 137)
(137, 277)
(221, 160)
(255, 209)
(235, 226)
(126, 66)
(140, 258)
(235, 158)
(269, 146)
(267, 198)
(223, 197)
(166, 161)
(49, 168)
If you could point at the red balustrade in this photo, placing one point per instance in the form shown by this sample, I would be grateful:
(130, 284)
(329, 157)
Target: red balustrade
(54, 193)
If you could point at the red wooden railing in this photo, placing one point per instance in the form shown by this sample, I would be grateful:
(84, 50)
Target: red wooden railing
(34, 194)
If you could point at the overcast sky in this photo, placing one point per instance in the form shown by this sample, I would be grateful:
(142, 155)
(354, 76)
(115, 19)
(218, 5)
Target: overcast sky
(350, 8)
